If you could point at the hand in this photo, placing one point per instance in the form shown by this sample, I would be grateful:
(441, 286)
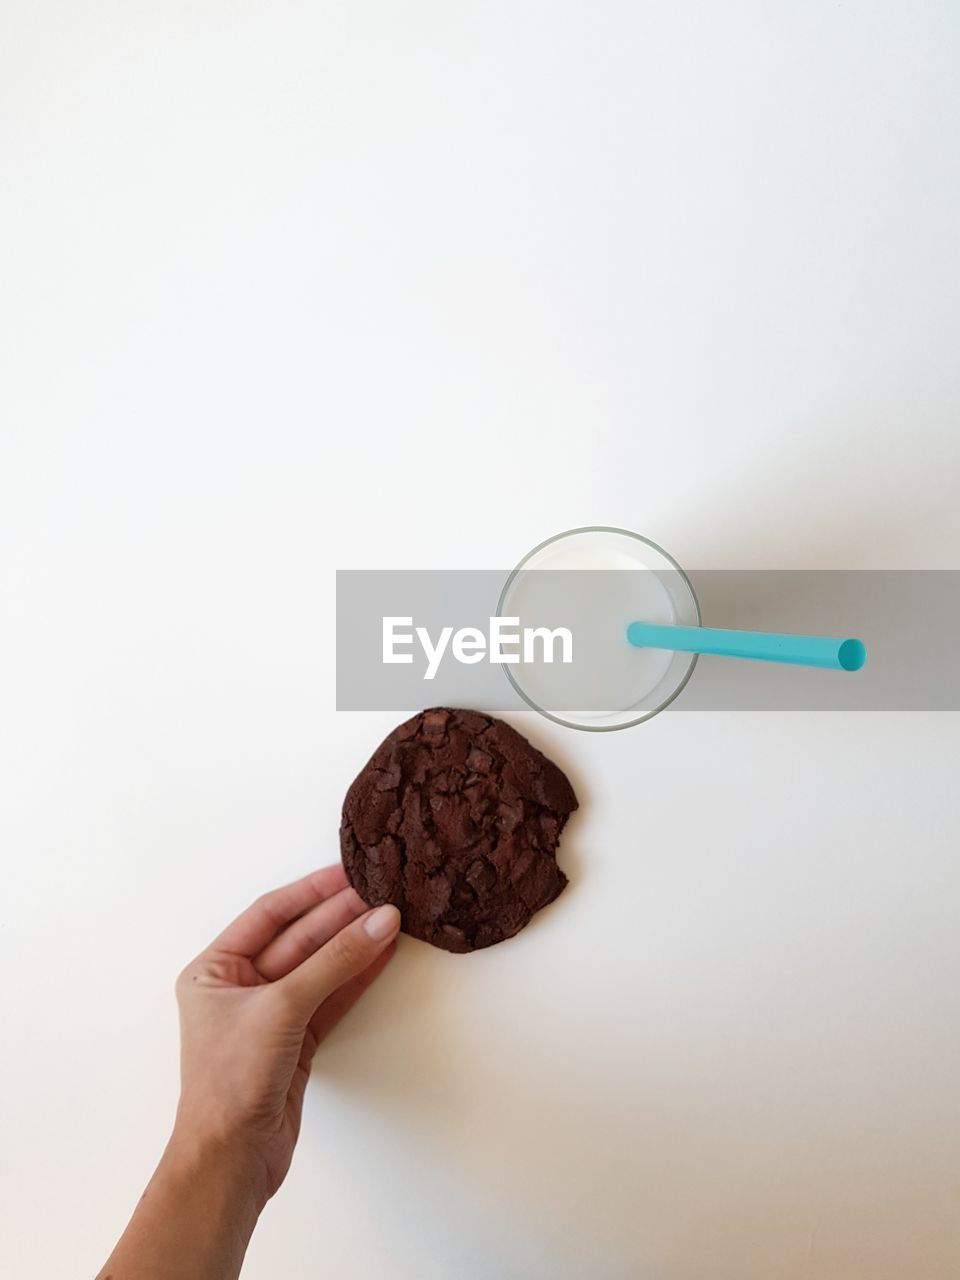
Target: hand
(253, 1008)
(255, 1005)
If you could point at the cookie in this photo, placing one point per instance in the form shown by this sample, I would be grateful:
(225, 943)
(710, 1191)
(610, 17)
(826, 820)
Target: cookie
(455, 819)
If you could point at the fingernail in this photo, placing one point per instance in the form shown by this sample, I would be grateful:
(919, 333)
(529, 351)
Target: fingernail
(384, 921)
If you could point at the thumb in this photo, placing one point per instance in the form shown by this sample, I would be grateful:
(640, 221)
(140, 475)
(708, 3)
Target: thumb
(345, 956)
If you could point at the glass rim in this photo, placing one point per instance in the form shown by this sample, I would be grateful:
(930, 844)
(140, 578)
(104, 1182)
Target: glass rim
(637, 537)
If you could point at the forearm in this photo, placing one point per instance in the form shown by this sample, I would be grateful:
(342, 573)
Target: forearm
(195, 1219)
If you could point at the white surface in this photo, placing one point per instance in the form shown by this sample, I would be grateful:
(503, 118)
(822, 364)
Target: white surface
(291, 287)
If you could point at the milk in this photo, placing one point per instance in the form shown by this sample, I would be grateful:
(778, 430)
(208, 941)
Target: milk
(596, 583)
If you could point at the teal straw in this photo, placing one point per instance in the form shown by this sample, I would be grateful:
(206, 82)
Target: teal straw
(767, 646)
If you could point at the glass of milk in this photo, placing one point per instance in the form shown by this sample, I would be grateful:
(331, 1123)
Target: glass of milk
(594, 582)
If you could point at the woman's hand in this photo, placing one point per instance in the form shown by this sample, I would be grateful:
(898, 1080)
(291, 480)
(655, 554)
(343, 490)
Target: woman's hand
(257, 1002)
(254, 1006)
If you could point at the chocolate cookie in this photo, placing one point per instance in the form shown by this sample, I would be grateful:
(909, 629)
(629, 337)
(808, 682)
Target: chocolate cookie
(455, 819)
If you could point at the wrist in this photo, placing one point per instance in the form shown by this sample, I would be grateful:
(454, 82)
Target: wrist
(197, 1215)
(216, 1168)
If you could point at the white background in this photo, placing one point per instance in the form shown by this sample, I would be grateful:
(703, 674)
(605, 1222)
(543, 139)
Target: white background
(292, 287)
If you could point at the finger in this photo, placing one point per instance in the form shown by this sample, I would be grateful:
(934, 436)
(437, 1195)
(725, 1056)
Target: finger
(342, 1001)
(308, 934)
(261, 922)
(347, 953)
